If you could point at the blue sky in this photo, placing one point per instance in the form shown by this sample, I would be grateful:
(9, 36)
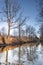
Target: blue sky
(29, 10)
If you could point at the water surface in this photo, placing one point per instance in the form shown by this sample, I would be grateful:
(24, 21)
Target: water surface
(31, 54)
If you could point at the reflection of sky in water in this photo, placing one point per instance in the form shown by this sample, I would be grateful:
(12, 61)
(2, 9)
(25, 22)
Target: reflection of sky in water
(2, 57)
(36, 58)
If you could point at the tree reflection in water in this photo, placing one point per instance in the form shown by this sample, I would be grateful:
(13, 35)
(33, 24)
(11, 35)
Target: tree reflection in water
(33, 53)
(41, 52)
(30, 53)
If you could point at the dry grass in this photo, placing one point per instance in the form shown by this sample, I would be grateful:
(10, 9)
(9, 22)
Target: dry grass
(11, 39)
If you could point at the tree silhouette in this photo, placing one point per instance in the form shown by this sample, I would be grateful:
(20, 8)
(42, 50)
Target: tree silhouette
(11, 12)
(41, 32)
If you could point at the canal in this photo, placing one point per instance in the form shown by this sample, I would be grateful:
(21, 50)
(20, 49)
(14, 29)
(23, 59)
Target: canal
(31, 54)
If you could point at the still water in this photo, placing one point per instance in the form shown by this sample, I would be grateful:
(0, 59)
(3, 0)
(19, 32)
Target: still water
(31, 54)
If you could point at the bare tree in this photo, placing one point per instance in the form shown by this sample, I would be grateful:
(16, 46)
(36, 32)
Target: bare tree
(26, 30)
(31, 31)
(41, 32)
(41, 18)
(11, 11)
(22, 33)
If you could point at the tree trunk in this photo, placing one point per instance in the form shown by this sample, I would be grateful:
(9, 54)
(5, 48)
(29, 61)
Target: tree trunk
(9, 27)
